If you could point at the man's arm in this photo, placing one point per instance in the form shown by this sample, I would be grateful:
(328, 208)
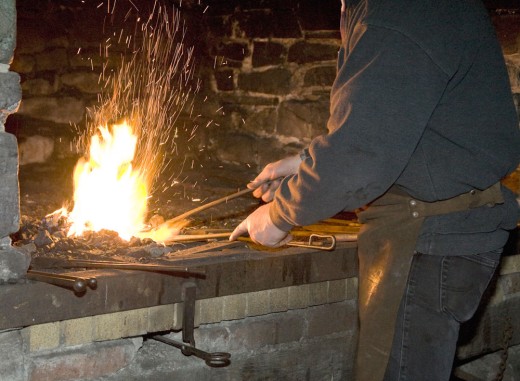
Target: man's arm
(381, 101)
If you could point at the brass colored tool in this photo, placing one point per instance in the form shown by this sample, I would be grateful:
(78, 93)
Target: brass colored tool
(315, 241)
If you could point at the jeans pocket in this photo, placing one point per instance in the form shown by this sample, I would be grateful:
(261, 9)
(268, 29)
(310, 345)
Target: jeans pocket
(463, 282)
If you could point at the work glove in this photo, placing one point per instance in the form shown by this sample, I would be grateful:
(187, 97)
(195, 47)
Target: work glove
(268, 181)
(261, 229)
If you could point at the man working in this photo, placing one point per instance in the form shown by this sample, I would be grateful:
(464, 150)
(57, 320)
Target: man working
(422, 129)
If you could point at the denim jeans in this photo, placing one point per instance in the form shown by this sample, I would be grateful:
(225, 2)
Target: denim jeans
(441, 293)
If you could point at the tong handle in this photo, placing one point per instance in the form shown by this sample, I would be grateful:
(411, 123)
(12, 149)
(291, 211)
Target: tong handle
(316, 242)
(213, 359)
(78, 285)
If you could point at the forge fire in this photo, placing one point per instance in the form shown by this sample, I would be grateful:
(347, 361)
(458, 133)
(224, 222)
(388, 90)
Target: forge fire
(135, 111)
(113, 182)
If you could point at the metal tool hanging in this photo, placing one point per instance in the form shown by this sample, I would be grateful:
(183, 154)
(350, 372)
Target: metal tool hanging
(187, 346)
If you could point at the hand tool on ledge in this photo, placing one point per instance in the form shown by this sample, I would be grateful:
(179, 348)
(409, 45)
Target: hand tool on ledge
(321, 236)
(313, 240)
(317, 234)
(76, 283)
(43, 263)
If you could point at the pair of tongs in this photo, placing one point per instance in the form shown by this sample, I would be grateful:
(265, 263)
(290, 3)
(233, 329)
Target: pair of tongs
(315, 241)
(325, 242)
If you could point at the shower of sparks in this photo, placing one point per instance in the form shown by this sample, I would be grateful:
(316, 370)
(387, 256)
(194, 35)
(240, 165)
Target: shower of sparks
(149, 90)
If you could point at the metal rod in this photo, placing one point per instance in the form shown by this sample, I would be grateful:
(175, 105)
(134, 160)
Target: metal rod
(74, 263)
(315, 241)
(213, 359)
(217, 202)
(91, 282)
(211, 204)
(198, 237)
(78, 285)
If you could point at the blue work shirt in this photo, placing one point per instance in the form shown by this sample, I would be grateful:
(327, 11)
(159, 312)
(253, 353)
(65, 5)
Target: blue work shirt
(421, 100)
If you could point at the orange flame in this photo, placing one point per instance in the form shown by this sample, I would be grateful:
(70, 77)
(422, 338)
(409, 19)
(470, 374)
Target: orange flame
(108, 192)
(153, 85)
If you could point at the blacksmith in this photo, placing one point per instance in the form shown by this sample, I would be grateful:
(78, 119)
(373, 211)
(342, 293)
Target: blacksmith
(422, 129)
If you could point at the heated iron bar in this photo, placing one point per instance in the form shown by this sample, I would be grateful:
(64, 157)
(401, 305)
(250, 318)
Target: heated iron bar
(211, 204)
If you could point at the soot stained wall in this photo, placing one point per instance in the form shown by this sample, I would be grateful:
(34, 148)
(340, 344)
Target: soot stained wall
(266, 68)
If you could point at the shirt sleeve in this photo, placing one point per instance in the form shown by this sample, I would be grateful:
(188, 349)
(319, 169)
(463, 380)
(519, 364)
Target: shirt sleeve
(381, 101)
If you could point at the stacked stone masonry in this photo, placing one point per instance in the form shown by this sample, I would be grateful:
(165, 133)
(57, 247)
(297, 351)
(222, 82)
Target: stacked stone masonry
(284, 319)
(169, 317)
(271, 325)
(13, 264)
(266, 71)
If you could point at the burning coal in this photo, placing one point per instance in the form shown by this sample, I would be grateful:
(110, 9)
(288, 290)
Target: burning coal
(132, 131)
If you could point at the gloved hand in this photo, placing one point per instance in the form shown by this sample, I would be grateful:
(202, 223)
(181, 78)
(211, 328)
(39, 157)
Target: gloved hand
(261, 229)
(266, 183)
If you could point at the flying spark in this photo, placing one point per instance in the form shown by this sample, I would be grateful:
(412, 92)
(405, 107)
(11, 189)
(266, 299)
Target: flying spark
(153, 84)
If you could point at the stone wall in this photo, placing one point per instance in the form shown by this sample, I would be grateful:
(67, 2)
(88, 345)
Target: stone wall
(13, 264)
(300, 332)
(275, 64)
(290, 333)
(266, 70)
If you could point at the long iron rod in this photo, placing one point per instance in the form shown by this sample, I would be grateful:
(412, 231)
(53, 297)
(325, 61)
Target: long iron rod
(75, 263)
(217, 202)
(142, 266)
(79, 285)
(209, 205)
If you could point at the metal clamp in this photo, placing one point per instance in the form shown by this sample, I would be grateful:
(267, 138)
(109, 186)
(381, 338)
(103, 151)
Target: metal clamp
(213, 359)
